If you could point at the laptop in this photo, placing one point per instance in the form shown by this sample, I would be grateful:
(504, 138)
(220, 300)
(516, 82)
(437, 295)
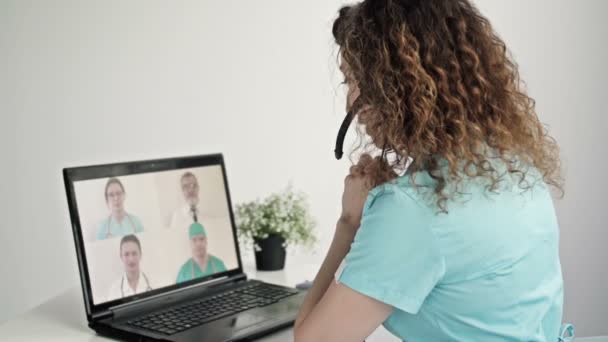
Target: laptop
(159, 258)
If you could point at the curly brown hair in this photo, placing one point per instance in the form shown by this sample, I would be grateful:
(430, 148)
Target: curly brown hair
(438, 84)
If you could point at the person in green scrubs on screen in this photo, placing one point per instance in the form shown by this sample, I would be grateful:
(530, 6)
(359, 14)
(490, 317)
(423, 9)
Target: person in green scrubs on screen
(202, 263)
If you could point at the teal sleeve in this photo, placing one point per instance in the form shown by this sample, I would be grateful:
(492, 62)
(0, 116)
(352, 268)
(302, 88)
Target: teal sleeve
(139, 227)
(394, 257)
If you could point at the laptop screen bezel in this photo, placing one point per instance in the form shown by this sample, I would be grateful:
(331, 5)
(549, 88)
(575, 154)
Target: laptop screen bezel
(75, 174)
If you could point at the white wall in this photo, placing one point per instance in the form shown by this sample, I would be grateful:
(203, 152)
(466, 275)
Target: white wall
(102, 81)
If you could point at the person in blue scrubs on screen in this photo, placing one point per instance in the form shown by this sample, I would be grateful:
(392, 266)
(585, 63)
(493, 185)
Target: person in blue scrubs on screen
(119, 222)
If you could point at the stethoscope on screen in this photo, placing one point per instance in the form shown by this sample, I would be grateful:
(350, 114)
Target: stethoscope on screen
(109, 233)
(122, 283)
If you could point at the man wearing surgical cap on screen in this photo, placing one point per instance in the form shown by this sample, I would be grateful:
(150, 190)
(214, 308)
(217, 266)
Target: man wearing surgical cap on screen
(202, 263)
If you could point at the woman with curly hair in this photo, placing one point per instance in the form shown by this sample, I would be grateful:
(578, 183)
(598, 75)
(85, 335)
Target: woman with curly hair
(448, 230)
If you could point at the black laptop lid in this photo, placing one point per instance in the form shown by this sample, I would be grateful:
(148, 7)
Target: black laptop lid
(148, 227)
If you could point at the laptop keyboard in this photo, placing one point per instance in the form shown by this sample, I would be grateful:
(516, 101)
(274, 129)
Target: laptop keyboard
(192, 314)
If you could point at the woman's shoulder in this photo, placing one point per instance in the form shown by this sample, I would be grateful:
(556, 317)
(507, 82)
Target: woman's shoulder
(420, 187)
(395, 201)
(402, 190)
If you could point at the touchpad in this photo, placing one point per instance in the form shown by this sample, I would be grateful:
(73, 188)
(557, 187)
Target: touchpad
(246, 320)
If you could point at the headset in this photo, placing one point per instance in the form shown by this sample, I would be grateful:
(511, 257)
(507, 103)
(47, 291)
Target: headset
(338, 151)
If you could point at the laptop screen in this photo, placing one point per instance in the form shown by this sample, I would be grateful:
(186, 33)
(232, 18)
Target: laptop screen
(151, 230)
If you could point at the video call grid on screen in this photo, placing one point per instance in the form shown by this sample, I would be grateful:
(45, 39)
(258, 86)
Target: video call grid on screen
(156, 230)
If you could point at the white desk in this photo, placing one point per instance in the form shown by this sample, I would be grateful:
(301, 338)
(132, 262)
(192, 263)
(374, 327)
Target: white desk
(62, 318)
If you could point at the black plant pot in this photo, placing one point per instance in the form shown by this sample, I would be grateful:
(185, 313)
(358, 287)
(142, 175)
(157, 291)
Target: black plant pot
(271, 256)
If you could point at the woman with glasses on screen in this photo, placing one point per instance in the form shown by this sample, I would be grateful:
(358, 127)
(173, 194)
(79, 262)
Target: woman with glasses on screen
(119, 222)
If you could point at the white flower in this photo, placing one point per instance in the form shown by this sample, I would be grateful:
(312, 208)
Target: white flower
(283, 213)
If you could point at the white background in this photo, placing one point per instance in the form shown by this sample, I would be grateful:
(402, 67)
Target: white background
(153, 197)
(84, 82)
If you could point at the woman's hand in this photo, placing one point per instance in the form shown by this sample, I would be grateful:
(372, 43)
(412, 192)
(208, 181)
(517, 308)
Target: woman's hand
(366, 174)
(356, 187)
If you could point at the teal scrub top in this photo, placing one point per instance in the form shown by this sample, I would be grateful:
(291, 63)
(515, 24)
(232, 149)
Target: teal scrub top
(488, 270)
(110, 228)
(190, 270)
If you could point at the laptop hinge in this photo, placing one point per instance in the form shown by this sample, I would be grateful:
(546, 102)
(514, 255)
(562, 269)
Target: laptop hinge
(239, 277)
(102, 315)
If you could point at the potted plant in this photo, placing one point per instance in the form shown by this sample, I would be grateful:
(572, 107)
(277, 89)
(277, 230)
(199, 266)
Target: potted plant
(272, 224)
